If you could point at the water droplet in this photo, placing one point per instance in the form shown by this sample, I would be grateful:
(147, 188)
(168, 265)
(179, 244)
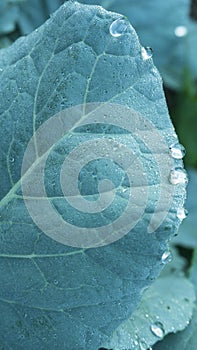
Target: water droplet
(177, 151)
(181, 213)
(118, 27)
(12, 159)
(142, 345)
(166, 257)
(146, 53)
(157, 329)
(180, 31)
(124, 190)
(178, 176)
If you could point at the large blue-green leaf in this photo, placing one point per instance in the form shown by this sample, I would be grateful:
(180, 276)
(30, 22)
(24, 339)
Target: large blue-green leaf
(50, 293)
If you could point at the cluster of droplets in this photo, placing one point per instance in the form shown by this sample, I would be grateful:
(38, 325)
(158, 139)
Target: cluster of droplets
(139, 344)
(178, 175)
(177, 151)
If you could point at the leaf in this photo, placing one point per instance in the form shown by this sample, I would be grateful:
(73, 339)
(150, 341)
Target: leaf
(50, 292)
(185, 340)
(187, 236)
(165, 307)
(33, 13)
(8, 16)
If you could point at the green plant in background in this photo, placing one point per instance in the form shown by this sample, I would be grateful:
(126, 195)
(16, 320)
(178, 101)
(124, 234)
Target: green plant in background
(50, 293)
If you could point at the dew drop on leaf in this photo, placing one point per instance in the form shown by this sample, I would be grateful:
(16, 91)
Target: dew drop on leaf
(146, 53)
(178, 176)
(142, 345)
(177, 151)
(166, 257)
(157, 329)
(181, 213)
(118, 27)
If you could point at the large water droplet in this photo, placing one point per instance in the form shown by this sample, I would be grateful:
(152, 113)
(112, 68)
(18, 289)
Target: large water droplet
(177, 151)
(157, 329)
(118, 27)
(181, 31)
(146, 53)
(166, 257)
(181, 213)
(178, 176)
